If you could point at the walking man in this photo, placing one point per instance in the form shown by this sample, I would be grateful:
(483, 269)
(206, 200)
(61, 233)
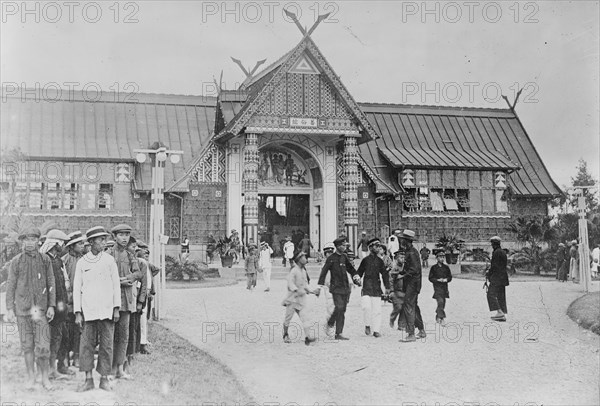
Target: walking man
(363, 245)
(394, 243)
(31, 297)
(373, 269)
(498, 277)
(340, 266)
(96, 302)
(412, 284)
(425, 256)
(288, 251)
(295, 302)
(440, 275)
(265, 263)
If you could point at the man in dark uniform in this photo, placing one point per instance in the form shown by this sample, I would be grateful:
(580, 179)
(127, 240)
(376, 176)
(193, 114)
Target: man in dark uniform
(339, 265)
(425, 255)
(498, 278)
(372, 267)
(412, 286)
(440, 275)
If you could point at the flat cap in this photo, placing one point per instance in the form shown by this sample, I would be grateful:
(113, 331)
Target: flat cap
(121, 228)
(339, 241)
(30, 232)
(329, 246)
(374, 241)
(495, 239)
(57, 235)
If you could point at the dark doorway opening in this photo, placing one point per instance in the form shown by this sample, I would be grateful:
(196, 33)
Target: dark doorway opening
(280, 216)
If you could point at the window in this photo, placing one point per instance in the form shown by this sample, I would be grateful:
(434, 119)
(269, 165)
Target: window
(36, 190)
(53, 196)
(105, 196)
(70, 199)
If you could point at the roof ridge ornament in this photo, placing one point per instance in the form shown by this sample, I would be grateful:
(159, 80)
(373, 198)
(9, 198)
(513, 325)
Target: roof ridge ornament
(249, 73)
(303, 30)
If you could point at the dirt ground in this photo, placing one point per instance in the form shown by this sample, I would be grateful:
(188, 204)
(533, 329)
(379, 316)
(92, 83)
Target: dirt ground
(539, 356)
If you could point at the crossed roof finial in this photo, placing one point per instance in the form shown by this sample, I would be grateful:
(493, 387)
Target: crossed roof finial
(247, 72)
(301, 28)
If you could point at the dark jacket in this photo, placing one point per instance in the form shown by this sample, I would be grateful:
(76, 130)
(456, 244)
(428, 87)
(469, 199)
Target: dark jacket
(62, 298)
(439, 271)
(372, 267)
(30, 283)
(128, 267)
(412, 269)
(497, 273)
(339, 266)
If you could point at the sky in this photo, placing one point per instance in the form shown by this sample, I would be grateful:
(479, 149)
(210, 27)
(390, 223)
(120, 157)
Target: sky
(463, 53)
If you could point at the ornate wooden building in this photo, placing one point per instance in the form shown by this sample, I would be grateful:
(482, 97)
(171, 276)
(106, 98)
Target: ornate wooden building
(290, 150)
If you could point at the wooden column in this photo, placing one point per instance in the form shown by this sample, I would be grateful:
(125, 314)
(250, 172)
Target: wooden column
(250, 189)
(350, 164)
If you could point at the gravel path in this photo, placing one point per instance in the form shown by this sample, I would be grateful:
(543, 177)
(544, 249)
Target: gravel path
(539, 356)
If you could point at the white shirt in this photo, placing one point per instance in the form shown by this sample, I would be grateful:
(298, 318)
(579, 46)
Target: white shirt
(393, 245)
(288, 248)
(264, 260)
(96, 286)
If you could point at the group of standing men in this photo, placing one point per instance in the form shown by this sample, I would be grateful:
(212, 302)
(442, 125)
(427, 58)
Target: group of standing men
(74, 301)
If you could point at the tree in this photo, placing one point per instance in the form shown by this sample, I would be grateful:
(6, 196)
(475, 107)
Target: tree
(533, 231)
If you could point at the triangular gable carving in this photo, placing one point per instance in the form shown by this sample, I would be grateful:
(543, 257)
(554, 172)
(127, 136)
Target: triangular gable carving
(305, 65)
(255, 105)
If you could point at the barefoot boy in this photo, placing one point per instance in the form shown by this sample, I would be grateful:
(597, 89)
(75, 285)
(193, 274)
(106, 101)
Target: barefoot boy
(31, 296)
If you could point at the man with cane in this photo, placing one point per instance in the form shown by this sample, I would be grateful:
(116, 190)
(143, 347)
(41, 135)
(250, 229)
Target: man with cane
(498, 281)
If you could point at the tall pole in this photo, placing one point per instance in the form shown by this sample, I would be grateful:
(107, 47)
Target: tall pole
(152, 239)
(584, 248)
(161, 231)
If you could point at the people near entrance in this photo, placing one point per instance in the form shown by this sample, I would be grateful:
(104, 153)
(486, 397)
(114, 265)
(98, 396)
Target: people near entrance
(393, 244)
(297, 237)
(305, 246)
(498, 281)
(236, 244)
(574, 262)
(252, 267)
(31, 300)
(425, 256)
(295, 301)
(96, 302)
(265, 263)
(363, 245)
(397, 295)
(373, 270)
(211, 246)
(288, 251)
(412, 272)
(328, 249)
(339, 266)
(439, 276)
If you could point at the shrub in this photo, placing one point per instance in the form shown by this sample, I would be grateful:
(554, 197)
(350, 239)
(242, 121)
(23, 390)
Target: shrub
(178, 270)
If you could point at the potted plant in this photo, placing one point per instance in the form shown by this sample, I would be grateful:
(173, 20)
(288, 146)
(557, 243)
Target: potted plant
(226, 251)
(451, 245)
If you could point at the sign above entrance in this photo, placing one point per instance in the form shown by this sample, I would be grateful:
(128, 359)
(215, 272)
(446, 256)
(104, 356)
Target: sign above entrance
(304, 122)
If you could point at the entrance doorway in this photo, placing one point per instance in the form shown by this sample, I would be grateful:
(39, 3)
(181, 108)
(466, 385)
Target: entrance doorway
(282, 215)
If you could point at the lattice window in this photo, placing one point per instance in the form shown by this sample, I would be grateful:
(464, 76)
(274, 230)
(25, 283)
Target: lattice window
(105, 196)
(53, 197)
(174, 227)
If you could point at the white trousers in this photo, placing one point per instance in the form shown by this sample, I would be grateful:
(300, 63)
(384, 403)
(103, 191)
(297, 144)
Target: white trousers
(371, 306)
(144, 327)
(267, 277)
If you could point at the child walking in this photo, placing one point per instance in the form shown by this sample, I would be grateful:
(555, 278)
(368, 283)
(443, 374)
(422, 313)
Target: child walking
(252, 267)
(440, 275)
(397, 295)
(265, 263)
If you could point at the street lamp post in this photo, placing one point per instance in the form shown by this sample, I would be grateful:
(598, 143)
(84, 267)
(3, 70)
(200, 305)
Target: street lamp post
(158, 239)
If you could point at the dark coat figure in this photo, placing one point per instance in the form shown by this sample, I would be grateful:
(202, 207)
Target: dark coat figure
(373, 269)
(339, 266)
(440, 289)
(498, 277)
(306, 245)
(412, 287)
(425, 255)
(561, 255)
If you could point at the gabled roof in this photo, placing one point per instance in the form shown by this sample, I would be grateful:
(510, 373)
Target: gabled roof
(72, 128)
(463, 138)
(260, 87)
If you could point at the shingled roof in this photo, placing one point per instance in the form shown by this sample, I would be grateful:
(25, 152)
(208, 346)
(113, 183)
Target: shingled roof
(454, 137)
(73, 128)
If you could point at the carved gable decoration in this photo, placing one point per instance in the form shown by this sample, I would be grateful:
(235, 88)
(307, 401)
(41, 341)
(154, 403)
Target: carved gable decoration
(211, 167)
(305, 65)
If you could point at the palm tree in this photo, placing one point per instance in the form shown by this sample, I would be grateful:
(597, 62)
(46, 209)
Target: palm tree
(533, 231)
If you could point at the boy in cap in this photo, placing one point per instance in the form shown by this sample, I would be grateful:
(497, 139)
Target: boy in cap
(75, 247)
(135, 316)
(31, 297)
(298, 288)
(397, 295)
(340, 266)
(142, 255)
(52, 247)
(412, 287)
(498, 277)
(439, 276)
(129, 274)
(96, 303)
(372, 269)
